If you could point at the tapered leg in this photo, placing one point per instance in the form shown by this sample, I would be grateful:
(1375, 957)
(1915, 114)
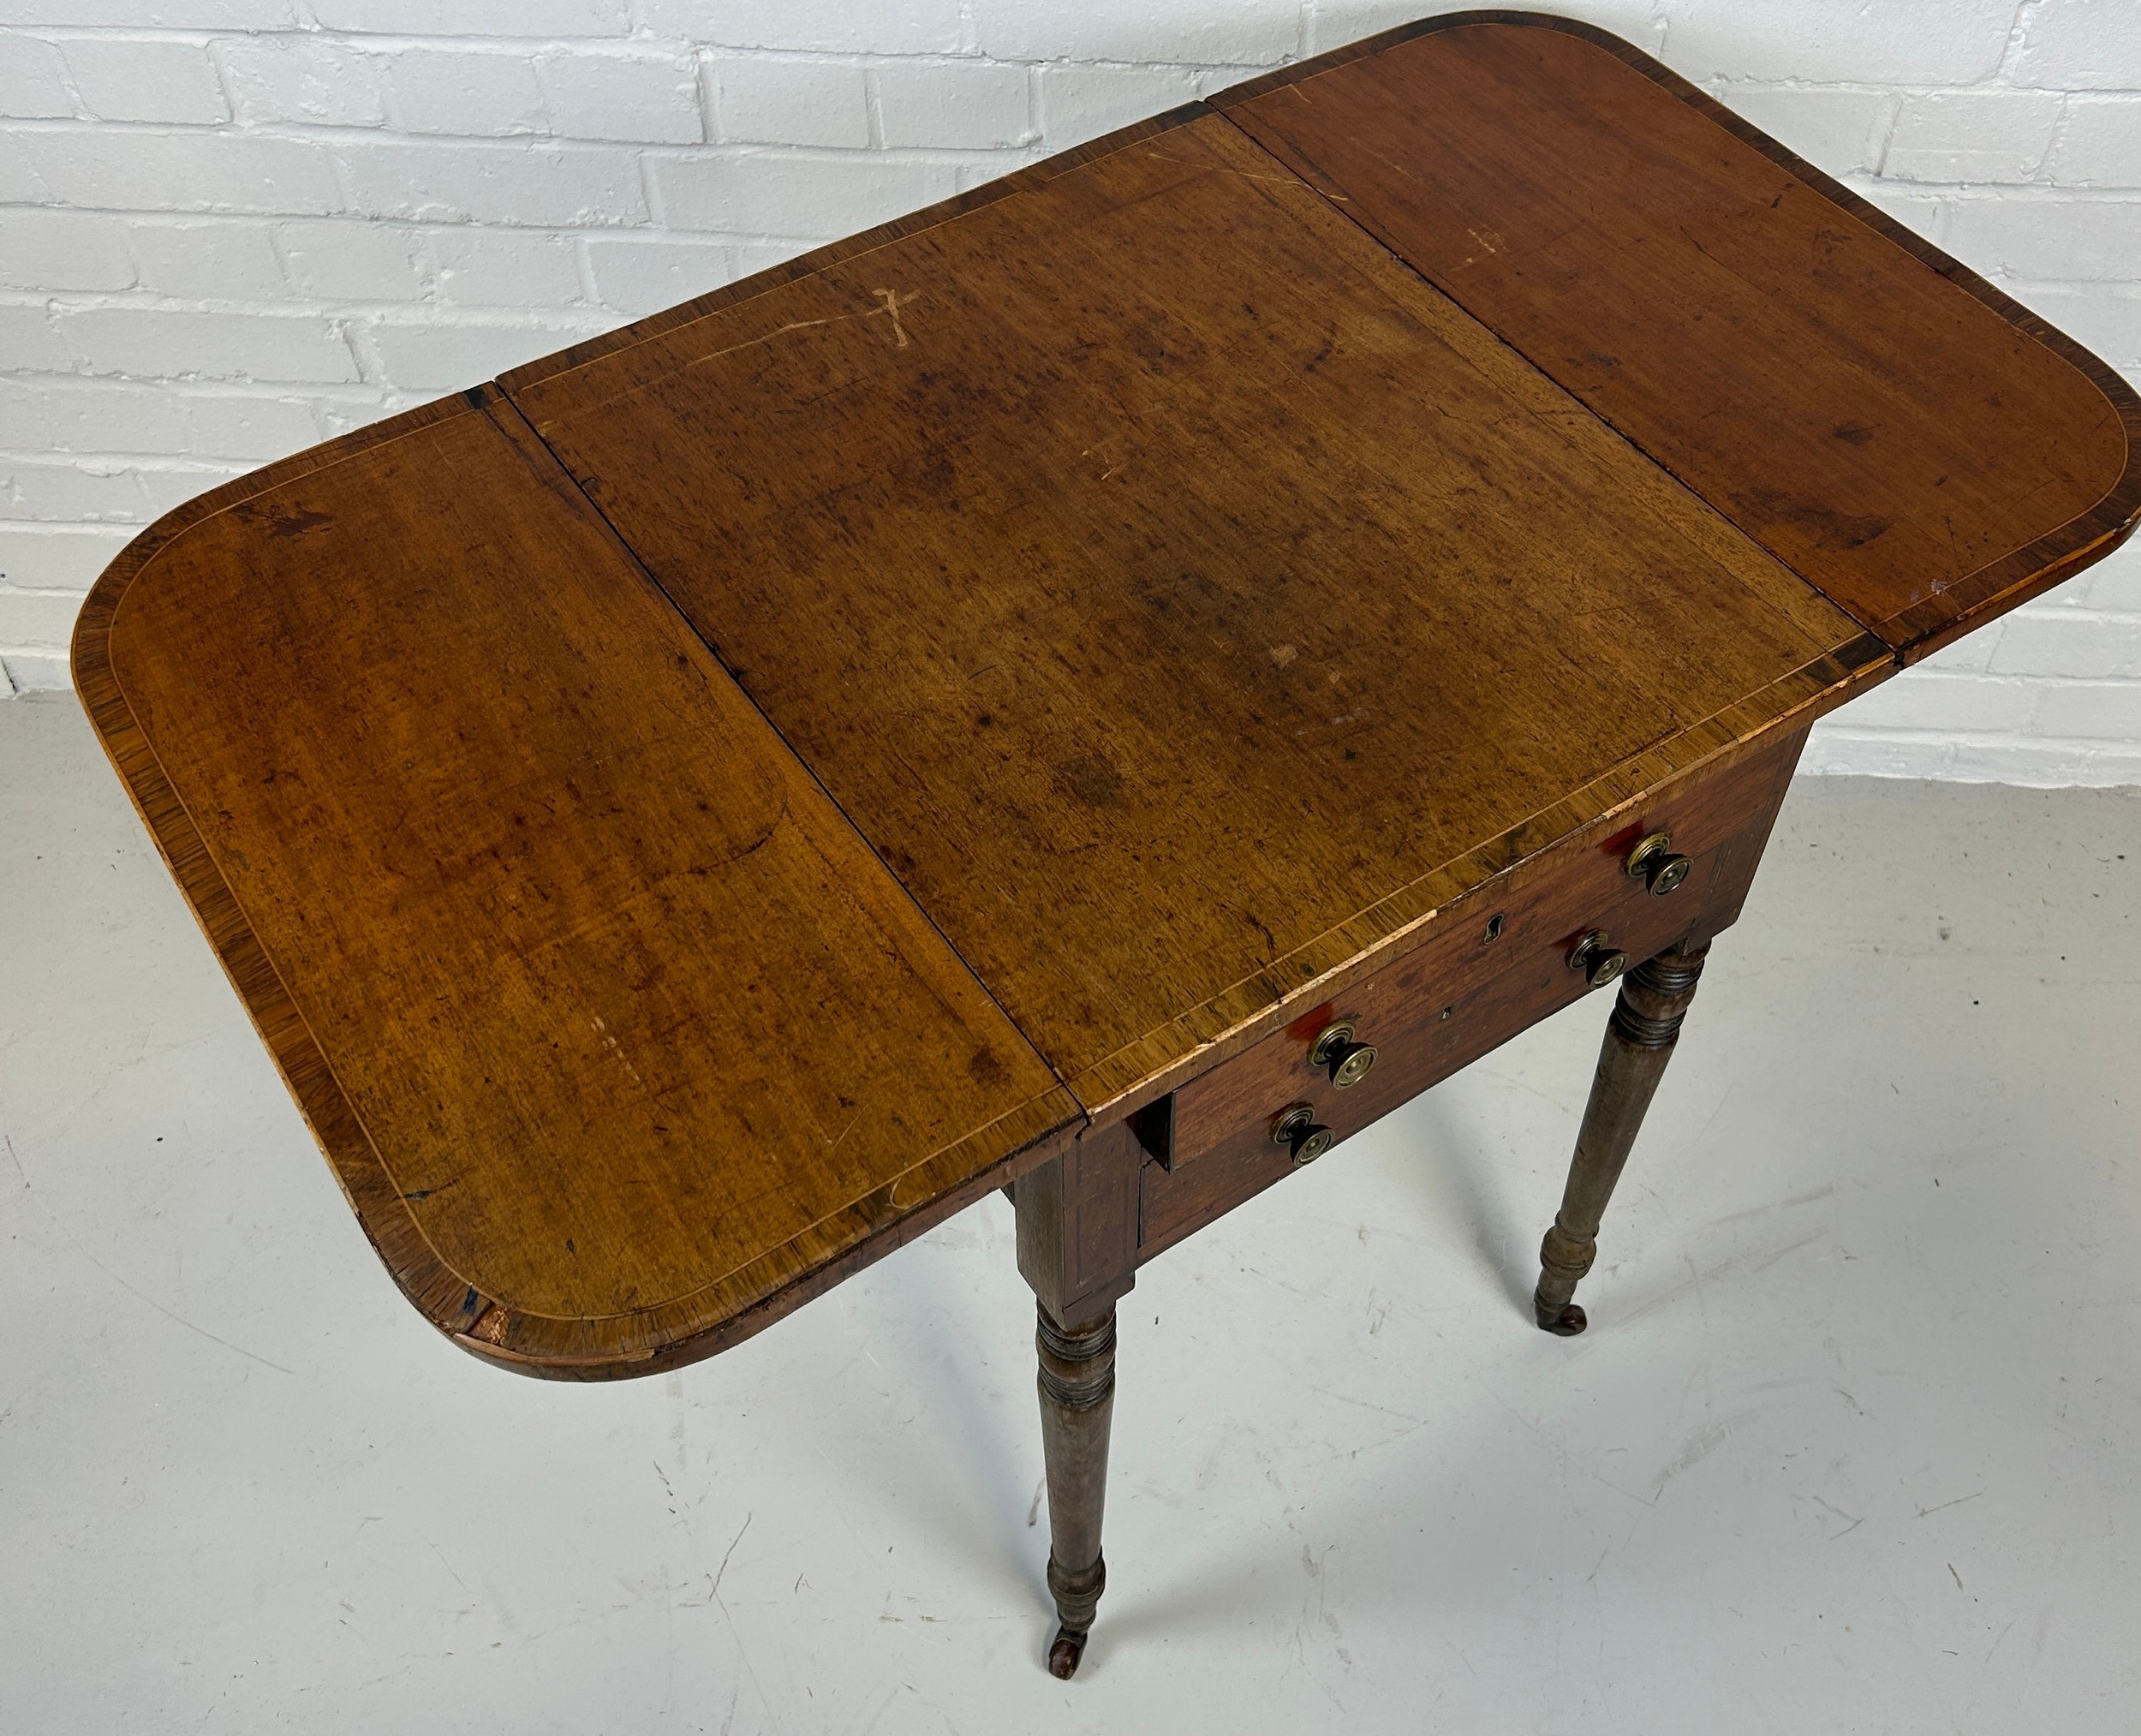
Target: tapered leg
(1077, 1401)
(1639, 1039)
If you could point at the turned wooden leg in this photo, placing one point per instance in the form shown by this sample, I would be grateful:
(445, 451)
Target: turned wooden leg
(1077, 1399)
(1639, 1039)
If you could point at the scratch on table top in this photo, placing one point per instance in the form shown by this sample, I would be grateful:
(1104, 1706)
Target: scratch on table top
(768, 337)
(893, 301)
(893, 304)
(1251, 175)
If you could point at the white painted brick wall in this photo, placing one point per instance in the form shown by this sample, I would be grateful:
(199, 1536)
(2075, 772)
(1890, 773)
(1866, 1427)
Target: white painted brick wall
(231, 228)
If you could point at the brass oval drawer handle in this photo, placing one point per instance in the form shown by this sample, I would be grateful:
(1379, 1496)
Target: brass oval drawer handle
(1595, 956)
(1296, 1127)
(1335, 1049)
(1653, 863)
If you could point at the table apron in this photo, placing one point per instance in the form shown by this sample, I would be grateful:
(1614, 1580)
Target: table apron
(1459, 994)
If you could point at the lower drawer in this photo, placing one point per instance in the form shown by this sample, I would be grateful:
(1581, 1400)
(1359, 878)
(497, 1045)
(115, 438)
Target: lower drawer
(1487, 969)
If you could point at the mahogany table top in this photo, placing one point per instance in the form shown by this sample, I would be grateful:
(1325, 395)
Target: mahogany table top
(691, 815)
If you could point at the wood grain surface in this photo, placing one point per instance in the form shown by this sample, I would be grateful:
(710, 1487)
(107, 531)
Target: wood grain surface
(1911, 442)
(610, 1025)
(1055, 537)
(689, 821)
(1454, 993)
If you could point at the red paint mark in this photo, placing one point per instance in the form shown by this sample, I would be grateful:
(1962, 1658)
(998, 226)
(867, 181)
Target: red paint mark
(1624, 840)
(1304, 1029)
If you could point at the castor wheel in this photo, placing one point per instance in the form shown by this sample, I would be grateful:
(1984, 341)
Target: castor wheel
(1064, 1655)
(1565, 1322)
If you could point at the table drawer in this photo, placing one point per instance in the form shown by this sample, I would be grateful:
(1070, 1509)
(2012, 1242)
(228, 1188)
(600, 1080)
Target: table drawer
(1492, 966)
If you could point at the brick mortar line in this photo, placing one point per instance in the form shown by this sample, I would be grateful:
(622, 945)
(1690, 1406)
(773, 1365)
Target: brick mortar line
(528, 143)
(175, 464)
(635, 231)
(619, 45)
(2079, 746)
(248, 390)
(674, 51)
(650, 46)
(300, 307)
(1012, 157)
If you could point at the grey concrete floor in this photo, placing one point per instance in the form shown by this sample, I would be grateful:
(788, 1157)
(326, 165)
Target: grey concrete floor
(1854, 1442)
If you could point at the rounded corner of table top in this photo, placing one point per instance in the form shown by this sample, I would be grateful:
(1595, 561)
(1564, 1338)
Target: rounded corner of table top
(2070, 402)
(90, 652)
(1440, 23)
(690, 822)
